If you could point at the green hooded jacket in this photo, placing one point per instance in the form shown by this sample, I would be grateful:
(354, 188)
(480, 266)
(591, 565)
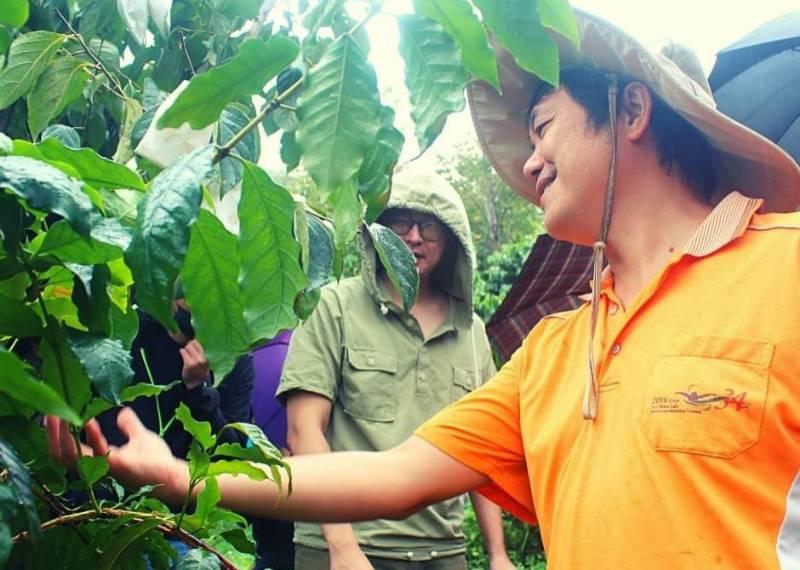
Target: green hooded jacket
(385, 379)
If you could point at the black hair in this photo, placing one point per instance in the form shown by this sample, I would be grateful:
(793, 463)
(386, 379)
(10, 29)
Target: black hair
(679, 145)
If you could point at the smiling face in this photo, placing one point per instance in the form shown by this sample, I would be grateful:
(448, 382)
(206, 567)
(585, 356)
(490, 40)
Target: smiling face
(568, 167)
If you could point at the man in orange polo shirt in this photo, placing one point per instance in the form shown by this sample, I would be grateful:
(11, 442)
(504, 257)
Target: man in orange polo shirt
(657, 426)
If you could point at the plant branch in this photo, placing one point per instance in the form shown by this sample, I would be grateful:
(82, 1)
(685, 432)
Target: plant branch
(225, 149)
(93, 56)
(161, 429)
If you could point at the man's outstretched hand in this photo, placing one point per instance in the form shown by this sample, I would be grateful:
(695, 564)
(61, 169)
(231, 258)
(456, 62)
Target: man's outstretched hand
(144, 460)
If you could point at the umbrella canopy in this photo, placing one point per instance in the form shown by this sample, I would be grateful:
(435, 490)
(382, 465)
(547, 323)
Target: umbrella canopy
(552, 279)
(757, 81)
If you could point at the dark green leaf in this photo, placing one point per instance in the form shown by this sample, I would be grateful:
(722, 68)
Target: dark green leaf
(398, 261)
(238, 538)
(5, 540)
(106, 362)
(210, 275)
(459, 21)
(270, 276)
(92, 469)
(516, 26)
(47, 189)
(18, 319)
(68, 136)
(96, 132)
(347, 212)
(30, 441)
(306, 302)
(124, 325)
(338, 114)
(201, 103)
(14, 13)
(125, 544)
(198, 459)
(19, 480)
(233, 119)
(197, 559)
(67, 245)
(290, 151)
(201, 431)
(19, 384)
(161, 237)
(95, 17)
(59, 85)
(29, 55)
(13, 222)
(93, 303)
(434, 75)
(375, 176)
(320, 249)
(5, 40)
(558, 16)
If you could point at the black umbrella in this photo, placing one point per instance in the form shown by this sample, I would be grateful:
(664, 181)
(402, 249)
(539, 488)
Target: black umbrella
(757, 81)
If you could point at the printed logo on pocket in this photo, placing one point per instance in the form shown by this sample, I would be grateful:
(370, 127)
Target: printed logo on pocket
(695, 400)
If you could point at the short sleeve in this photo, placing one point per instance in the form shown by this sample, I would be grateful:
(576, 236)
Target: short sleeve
(483, 350)
(313, 363)
(482, 431)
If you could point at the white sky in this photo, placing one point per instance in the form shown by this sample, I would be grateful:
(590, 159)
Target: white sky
(706, 26)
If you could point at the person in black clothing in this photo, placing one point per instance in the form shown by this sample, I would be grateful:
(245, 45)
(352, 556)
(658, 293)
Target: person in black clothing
(178, 356)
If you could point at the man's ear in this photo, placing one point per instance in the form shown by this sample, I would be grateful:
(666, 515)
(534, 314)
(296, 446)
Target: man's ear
(637, 108)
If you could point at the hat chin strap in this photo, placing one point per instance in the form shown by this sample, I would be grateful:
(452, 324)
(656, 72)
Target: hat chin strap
(591, 392)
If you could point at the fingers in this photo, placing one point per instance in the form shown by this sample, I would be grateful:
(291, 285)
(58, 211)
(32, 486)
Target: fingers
(95, 438)
(60, 442)
(129, 424)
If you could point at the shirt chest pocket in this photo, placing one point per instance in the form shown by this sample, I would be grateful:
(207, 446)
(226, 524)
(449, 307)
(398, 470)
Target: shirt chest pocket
(369, 388)
(463, 383)
(708, 396)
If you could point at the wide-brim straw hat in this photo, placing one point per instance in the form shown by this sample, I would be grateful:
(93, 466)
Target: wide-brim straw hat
(743, 159)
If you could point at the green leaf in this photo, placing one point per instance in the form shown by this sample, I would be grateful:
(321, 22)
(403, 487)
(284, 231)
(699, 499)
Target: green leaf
(95, 17)
(347, 211)
(320, 15)
(27, 59)
(461, 24)
(66, 244)
(398, 261)
(93, 169)
(68, 136)
(106, 362)
(17, 319)
(237, 467)
(92, 469)
(93, 303)
(306, 302)
(6, 145)
(131, 112)
(198, 459)
(14, 220)
(338, 114)
(47, 189)
(123, 544)
(201, 431)
(233, 119)
(245, 74)
(161, 237)
(60, 84)
(22, 387)
(197, 559)
(5, 41)
(129, 394)
(124, 325)
(209, 276)
(14, 13)
(321, 253)
(558, 16)
(270, 275)
(434, 75)
(516, 26)
(207, 501)
(290, 151)
(375, 176)
(19, 480)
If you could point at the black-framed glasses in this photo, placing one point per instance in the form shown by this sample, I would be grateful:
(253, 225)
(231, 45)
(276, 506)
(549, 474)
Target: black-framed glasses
(429, 230)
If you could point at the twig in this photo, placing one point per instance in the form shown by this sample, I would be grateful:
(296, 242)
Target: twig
(186, 52)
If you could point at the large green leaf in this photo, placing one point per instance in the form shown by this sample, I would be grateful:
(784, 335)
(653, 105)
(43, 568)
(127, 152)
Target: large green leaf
(460, 22)
(124, 544)
(68, 136)
(124, 325)
(93, 303)
(106, 362)
(201, 431)
(434, 75)
(338, 114)
(19, 384)
(198, 559)
(206, 502)
(47, 189)
(18, 319)
(161, 237)
(19, 480)
(14, 13)
(59, 85)
(245, 74)
(375, 176)
(398, 261)
(66, 244)
(516, 26)
(320, 249)
(95, 170)
(233, 119)
(237, 467)
(558, 16)
(270, 276)
(261, 451)
(347, 212)
(27, 59)
(209, 276)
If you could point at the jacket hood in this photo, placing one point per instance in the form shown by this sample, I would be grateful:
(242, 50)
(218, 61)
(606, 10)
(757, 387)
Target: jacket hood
(432, 194)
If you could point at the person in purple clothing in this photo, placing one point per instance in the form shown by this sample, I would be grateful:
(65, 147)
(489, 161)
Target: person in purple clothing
(274, 538)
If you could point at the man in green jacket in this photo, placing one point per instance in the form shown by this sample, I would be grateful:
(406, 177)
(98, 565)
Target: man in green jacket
(363, 375)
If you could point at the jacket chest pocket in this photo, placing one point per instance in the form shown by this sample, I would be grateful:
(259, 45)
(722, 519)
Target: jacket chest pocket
(463, 383)
(369, 384)
(708, 397)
